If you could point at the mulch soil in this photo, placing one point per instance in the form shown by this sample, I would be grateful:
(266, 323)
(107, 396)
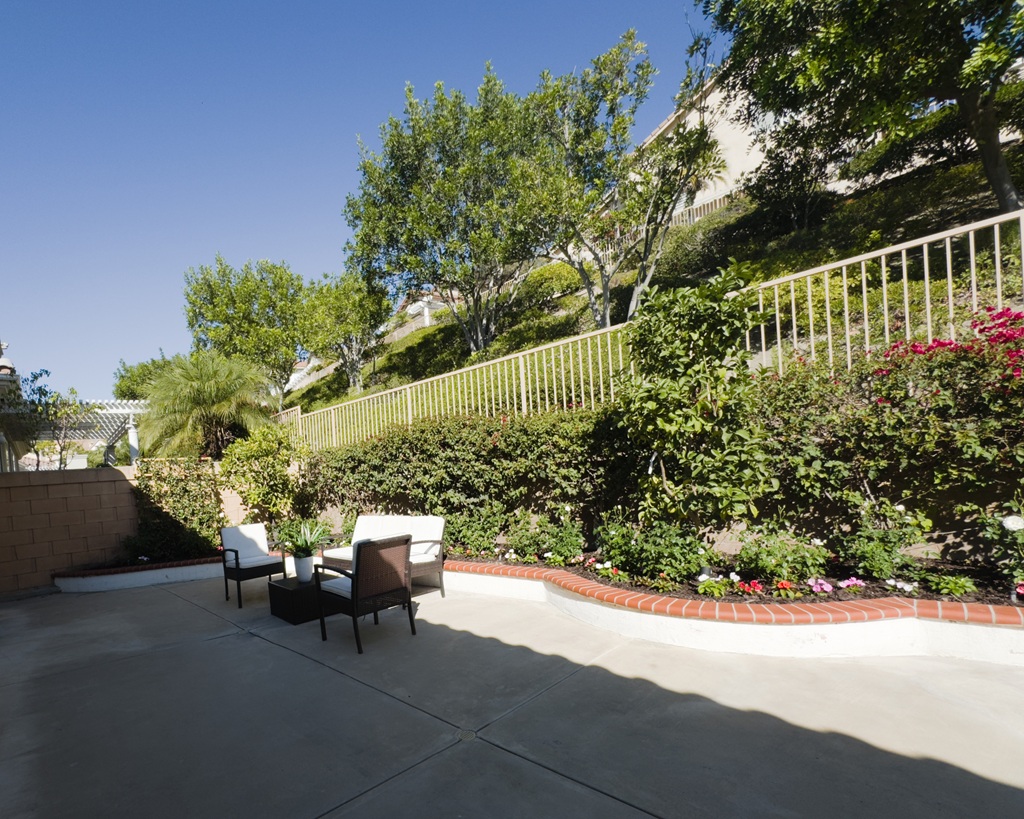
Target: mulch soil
(993, 588)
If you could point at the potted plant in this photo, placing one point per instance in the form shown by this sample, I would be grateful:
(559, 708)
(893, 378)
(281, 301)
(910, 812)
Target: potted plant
(302, 539)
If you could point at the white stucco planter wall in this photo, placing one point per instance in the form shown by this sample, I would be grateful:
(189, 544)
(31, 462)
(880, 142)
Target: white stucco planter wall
(880, 638)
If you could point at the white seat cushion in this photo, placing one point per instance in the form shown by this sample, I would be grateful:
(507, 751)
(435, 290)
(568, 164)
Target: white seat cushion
(341, 586)
(423, 558)
(340, 553)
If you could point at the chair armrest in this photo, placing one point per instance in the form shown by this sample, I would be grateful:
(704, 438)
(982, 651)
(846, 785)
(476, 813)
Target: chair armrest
(320, 567)
(224, 555)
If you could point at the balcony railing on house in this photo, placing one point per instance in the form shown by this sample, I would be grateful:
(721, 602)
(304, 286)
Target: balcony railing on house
(922, 289)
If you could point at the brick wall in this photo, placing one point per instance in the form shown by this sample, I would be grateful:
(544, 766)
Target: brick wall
(59, 520)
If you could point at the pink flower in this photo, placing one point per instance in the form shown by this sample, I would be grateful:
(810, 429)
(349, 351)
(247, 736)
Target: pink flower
(783, 584)
(1020, 588)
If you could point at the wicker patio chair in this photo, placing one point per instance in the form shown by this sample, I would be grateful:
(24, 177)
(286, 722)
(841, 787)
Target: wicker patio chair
(246, 556)
(426, 553)
(379, 579)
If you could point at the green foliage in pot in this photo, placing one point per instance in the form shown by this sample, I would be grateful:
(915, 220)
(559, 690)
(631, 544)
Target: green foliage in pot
(302, 538)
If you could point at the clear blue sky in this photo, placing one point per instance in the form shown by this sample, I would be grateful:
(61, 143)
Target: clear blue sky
(139, 139)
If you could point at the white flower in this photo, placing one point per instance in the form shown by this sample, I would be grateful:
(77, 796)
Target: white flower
(735, 578)
(702, 577)
(547, 555)
(1014, 523)
(899, 507)
(817, 541)
(890, 582)
(700, 551)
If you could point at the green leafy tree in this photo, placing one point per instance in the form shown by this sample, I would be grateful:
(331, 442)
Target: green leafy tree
(131, 381)
(67, 418)
(342, 321)
(259, 468)
(448, 204)
(863, 68)
(252, 313)
(24, 411)
(687, 403)
(201, 403)
(607, 203)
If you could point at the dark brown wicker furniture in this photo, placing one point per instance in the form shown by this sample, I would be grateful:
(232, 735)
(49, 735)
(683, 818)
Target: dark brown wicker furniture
(426, 554)
(379, 579)
(246, 556)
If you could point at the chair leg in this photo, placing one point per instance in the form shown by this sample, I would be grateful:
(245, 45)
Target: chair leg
(227, 594)
(440, 578)
(376, 619)
(355, 625)
(323, 621)
(238, 589)
(412, 620)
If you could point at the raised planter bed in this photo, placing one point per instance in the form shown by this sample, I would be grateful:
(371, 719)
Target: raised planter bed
(131, 577)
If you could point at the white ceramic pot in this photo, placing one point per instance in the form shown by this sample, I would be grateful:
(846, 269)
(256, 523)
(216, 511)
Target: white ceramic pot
(304, 569)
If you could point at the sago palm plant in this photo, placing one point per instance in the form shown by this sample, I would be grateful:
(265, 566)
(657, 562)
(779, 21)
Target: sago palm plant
(201, 403)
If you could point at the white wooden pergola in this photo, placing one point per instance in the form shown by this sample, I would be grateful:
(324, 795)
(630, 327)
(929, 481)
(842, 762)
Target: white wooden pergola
(111, 421)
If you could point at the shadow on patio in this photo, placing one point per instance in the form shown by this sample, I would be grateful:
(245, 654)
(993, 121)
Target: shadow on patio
(167, 701)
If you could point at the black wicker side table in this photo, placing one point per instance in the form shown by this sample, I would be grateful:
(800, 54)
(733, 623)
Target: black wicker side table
(296, 602)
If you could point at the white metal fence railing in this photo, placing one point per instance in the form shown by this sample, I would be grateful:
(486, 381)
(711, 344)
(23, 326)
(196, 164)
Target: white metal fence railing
(923, 289)
(574, 372)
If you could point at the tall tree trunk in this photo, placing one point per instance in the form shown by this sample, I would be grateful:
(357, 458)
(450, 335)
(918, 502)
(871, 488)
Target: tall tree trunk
(983, 126)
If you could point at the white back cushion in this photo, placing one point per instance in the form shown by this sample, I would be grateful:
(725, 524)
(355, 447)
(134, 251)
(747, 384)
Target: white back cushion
(250, 540)
(426, 530)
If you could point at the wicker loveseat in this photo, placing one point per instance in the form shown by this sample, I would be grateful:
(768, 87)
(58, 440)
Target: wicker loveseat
(426, 556)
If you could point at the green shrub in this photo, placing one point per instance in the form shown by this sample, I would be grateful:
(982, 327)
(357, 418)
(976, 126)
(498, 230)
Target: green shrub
(687, 404)
(780, 555)
(179, 511)
(557, 542)
(457, 466)
(474, 531)
(259, 468)
(878, 548)
(659, 551)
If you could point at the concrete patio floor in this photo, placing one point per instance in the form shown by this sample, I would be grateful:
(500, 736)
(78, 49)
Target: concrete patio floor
(168, 701)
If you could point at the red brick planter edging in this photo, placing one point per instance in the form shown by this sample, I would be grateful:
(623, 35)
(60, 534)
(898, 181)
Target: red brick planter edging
(847, 611)
(142, 567)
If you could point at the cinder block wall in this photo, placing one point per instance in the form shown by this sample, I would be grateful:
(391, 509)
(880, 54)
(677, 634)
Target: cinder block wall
(58, 520)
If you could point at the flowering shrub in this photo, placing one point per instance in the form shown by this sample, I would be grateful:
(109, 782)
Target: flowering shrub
(936, 422)
(751, 587)
(714, 586)
(784, 588)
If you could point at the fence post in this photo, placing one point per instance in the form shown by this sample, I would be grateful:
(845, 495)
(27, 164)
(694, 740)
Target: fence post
(522, 384)
(408, 407)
